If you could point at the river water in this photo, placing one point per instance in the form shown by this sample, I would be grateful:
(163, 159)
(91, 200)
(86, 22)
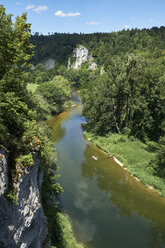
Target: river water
(108, 207)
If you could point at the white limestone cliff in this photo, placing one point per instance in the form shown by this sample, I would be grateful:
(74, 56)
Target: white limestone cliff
(81, 55)
(23, 225)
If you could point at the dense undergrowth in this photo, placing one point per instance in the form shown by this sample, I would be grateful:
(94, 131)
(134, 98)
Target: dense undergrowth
(135, 156)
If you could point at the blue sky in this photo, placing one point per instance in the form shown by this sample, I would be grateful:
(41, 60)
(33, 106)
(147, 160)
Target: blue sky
(88, 16)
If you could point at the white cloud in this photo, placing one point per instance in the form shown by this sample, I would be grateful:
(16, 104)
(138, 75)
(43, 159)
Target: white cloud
(18, 3)
(29, 7)
(93, 23)
(40, 8)
(60, 13)
(126, 27)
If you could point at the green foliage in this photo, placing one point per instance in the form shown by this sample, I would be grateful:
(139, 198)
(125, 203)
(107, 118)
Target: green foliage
(15, 51)
(12, 196)
(22, 131)
(159, 162)
(26, 160)
(102, 45)
(14, 46)
(152, 146)
(32, 87)
(129, 95)
(41, 106)
(67, 239)
(56, 92)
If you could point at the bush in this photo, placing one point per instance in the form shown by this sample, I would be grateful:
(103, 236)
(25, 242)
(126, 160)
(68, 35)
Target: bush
(26, 160)
(121, 140)
(152, 146)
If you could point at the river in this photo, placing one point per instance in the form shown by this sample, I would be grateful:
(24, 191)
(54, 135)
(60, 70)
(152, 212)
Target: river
(107, 206)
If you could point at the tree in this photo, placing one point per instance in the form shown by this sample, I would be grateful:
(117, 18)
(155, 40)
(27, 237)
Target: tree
(56, 92)
(15, 52)
(129, 95)
(159, 162)
(15, 48)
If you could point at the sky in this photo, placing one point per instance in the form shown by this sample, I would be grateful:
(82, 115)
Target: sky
(88, 16)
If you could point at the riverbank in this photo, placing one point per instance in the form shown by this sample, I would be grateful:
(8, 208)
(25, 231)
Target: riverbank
(132, 155)
(66, 236)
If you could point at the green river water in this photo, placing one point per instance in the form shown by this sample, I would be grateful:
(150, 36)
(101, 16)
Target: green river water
(107, 206)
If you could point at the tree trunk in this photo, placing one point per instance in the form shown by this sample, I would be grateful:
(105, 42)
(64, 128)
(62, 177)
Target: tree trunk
(116, 124)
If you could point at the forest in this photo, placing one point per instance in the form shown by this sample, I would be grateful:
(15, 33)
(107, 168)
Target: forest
(60, 46)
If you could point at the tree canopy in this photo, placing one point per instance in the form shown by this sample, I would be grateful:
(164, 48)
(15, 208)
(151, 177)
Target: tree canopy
(56, 92)
(15, 52)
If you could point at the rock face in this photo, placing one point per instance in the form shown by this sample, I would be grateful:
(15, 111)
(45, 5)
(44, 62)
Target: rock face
(23, 225)
(93, 65)
(69, 64)
(49, 64)
(81, 56)
(3, 172)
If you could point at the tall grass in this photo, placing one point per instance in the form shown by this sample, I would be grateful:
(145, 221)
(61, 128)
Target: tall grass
(66, 238)
(135, 156)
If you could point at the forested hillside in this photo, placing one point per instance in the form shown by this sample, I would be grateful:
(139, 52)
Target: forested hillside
(101, 45)
(128, 96)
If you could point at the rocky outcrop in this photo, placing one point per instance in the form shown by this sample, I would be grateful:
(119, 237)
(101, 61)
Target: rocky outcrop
(69, 64)
(3, 172)
(81, 56)
(92, 64)
(49, 64)
(22, 225)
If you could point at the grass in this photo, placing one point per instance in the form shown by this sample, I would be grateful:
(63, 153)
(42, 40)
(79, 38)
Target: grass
(135, 156)
(67, 239)
(60, 226)
(32, 87)
(64, 234)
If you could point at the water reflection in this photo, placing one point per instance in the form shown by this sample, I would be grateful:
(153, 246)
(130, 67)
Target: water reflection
(83, 200)
(58, 131)
(127, 195)
(85, 229)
